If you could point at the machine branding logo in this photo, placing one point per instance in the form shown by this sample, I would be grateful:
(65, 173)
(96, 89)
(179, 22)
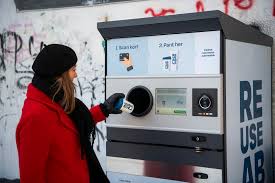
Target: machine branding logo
(251, 131)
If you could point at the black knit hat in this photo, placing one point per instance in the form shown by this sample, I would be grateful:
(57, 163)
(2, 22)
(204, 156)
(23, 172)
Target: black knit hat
(53, 60)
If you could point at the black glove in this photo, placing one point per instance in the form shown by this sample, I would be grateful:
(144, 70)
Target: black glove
(108, 107)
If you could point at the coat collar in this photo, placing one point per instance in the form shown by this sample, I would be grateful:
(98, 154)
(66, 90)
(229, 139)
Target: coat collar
(35, 94)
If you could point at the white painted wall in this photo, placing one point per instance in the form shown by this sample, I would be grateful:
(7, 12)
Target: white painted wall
(76, 27)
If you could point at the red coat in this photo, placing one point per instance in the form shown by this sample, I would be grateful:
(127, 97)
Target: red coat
(48, 143)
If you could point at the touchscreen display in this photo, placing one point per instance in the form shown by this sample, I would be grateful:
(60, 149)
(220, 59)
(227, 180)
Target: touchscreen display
(171, 101)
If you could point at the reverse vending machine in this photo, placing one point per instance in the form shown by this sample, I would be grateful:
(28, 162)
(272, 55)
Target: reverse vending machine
(201, 88)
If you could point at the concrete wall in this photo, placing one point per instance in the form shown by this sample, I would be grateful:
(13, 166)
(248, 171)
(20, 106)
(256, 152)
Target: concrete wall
(22, 33)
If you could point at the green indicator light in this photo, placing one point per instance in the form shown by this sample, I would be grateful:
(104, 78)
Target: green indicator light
(179, 111)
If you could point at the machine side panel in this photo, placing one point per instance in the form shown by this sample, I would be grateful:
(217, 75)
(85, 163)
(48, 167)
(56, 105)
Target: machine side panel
(248, 112)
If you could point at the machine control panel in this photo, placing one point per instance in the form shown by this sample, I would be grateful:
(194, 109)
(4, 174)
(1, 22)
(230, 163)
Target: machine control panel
(181, 103)
(204, 102)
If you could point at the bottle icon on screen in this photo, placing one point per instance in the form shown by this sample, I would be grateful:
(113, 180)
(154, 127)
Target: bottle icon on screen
(174, 60)
(166, 62)
(170, 63)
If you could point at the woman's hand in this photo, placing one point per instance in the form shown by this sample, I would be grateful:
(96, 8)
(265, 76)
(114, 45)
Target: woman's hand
(108, 107)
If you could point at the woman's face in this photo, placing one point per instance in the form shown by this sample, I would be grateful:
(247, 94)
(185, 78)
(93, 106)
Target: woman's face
(72, 72)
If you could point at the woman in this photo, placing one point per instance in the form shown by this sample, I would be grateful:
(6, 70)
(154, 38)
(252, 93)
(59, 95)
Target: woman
(53, 134)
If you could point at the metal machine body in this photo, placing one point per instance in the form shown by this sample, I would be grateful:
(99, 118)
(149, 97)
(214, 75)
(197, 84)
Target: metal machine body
(202, 96)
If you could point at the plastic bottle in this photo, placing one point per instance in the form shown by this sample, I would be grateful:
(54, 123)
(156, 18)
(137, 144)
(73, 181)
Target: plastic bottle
(124, 105)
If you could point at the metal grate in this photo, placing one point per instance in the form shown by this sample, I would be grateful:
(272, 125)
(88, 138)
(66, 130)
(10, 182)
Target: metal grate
(46, 4)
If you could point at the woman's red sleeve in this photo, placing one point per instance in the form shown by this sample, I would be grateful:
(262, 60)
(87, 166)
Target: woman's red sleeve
(97, 114)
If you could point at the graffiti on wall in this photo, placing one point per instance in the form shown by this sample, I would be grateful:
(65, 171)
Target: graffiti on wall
(19, 45)
(163, 12)
(200, 7)
(240, 4)
(13, 53)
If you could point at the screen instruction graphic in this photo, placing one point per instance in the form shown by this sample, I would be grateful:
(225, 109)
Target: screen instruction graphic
(125, 60)
(170, 63)
(188, 53)
(127, 56)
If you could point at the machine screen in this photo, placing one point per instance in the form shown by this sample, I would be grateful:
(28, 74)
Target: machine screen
(171, 101)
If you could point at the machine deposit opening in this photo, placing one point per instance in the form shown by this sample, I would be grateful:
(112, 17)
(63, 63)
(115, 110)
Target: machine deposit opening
(142, 99)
